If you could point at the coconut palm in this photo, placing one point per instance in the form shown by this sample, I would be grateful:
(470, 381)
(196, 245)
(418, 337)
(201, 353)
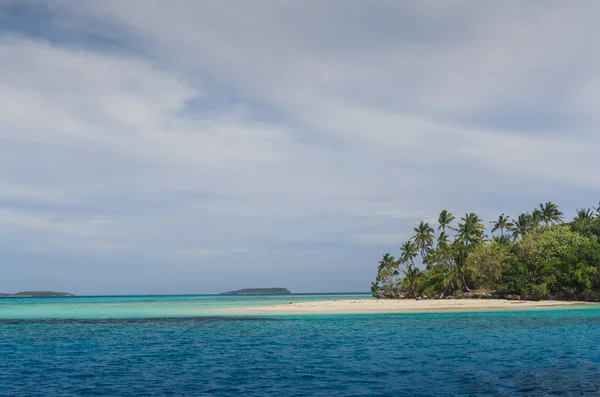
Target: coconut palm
(411, 275)
(444, 221)
(456, 278)
(536, 216)
(523, 225)
(501, 240)
(408, 251)
(584, 214)
(550, 213)
(388, 262)
(423, 237)
(386, 272)
(452, 281)
(471, 229)
(443, 240)
(503, 223)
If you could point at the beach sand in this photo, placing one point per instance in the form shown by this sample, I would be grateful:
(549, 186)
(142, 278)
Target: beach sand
(367, 306)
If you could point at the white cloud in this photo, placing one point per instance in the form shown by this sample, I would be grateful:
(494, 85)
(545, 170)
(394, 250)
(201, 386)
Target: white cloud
(199, 253)
(14, 191)
(386, 238)
(13, 219)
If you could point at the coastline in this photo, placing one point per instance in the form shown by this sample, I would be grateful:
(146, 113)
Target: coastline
(372, 306)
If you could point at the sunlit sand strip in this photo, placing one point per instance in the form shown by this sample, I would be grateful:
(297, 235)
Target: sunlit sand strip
(406, 306)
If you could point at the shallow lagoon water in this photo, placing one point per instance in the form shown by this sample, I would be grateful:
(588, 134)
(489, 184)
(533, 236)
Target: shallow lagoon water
(147, 306)
(546, 352)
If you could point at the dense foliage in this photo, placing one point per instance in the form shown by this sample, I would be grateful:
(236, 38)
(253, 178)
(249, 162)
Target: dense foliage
(535, 256)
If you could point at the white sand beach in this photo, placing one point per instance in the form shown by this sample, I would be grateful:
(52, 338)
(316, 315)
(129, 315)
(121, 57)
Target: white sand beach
(405, 306)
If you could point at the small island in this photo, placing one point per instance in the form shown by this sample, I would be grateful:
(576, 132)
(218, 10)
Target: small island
(36, 294)
(535, 256)
(259, 291)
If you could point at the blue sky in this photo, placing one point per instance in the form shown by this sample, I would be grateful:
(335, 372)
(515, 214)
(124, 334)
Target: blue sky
(201, 146)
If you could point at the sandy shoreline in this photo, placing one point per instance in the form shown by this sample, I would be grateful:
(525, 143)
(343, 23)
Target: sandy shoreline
(366, 306)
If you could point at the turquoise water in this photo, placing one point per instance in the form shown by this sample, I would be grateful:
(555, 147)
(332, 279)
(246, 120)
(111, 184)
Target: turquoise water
(147, 306)
(547, 352)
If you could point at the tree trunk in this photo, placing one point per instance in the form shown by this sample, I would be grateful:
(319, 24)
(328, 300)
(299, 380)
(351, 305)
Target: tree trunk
(462, 278)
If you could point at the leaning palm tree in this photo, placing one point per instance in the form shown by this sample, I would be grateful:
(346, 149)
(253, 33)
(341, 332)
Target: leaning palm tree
(550, 213)
(423, 237)
(470, 232)
(386, 271)
(386, 263)
(444, 221)
(503, 223)
(456, 278)
(584, 214)
(408, 251)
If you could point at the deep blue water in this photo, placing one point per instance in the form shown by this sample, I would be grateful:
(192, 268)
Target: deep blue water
(549, 352)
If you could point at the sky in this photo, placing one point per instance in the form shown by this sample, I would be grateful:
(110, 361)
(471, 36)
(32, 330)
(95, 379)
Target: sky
(175, 147)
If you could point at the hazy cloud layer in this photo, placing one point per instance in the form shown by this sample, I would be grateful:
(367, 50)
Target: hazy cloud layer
(200, 146)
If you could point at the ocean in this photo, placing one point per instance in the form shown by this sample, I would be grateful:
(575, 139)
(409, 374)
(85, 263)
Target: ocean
(185, 346)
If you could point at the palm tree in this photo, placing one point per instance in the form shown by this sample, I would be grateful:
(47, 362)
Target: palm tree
(444, 221)
(598, 209)
(386, 263)
(408, 251)
(523, 225)
(423, 237)
(502, 240)
(470, 232)
(550, 214)
(584, 214)
(443, 240)
(536, 216)
(411, 273)
(452, 281)
(387, 269)
(503, 223)
(455, 279)
(471, 229)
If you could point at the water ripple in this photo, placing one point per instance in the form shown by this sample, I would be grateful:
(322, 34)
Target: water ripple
(501, 354)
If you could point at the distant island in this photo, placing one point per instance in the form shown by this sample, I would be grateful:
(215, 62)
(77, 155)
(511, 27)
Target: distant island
(259, 291)
(36, 294)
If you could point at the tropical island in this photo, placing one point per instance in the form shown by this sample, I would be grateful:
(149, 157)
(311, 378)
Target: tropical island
(259, 291)
(36, 294)
(536, 256)
(532, 262)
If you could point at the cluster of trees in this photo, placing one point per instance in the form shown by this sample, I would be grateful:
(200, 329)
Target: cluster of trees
(534, 256)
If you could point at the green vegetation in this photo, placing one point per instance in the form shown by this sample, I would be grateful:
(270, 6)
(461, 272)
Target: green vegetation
(259, 291)
(35, 294)
(535, 256)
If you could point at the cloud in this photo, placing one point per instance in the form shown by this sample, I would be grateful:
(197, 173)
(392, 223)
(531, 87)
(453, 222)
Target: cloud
(237, 134)
(14, 191)
(386, 238)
